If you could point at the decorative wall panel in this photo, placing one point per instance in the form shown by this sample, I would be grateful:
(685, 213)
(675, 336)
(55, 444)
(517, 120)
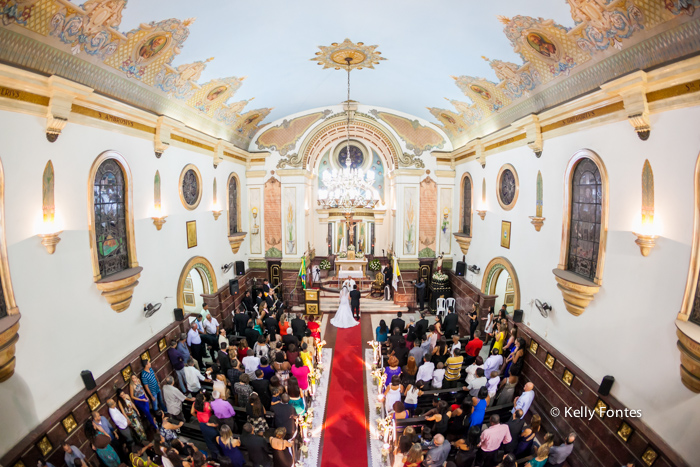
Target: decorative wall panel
(290, 220)
(446, 220)
(273, 218)
(410, 220)
(254, 220)
(428, 218)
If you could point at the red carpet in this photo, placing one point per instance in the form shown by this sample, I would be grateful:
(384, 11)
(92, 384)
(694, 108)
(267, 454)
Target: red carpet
(345, 428)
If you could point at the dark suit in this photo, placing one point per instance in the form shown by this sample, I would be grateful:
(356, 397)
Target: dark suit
(224, 362)
(262, 387)
(251, 335)
(516, 427)
(240, 321)
(421, 327)
(397, 323)
(298, 327)
(259, 450)
(271, 325)
(290, 339)
(420, 294)
(451, 325)
(388, 276)
(285, 417)
(248, 302)
(355, 302)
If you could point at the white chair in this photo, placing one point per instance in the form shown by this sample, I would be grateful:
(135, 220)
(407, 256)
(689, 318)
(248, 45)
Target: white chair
(441, 308)
(451, 303)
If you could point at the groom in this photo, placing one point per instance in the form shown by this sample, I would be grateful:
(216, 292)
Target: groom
(355, 302)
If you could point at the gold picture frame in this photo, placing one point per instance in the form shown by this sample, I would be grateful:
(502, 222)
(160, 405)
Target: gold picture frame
(509, 284)
(600, 408)
(505, 234)
(69, 424)
(188, 299)
(312, 308)
(567, 377)
(162, 344)
(44, 446)
(188, 284)
(127, 372)
(19, 463)
(625, 431)
(649, 456)
(549, 361)
(191, 234)
(93, 402)
(509, 299)
(533, 347)
(146, 355)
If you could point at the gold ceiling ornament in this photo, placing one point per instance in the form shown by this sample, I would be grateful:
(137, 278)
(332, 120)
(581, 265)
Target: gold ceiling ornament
(337, 55)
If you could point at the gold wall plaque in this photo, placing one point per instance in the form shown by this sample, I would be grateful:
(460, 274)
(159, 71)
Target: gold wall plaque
(312, 308)
(126, 373)
(600, 407)
(505, 234)
(93, 402)
(625, 431)
(567, 377)
(162, 344)
(69, 423)
(146, 355)
(549, 361)
(534, 346)
(191, 234)
(649, 456)
(44, 446)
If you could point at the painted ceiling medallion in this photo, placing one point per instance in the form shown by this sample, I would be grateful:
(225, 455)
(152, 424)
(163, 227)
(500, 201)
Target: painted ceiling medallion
(361, 55)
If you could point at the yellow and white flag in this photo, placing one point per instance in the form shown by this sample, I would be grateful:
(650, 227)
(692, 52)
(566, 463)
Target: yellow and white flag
(397, 274)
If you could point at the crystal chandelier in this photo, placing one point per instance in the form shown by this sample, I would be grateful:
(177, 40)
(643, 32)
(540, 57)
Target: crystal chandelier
(347, 189)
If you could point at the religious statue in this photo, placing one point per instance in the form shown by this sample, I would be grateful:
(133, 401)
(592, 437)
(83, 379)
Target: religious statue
(439, 262)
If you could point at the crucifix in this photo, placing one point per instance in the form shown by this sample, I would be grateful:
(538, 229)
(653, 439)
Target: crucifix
(350, 222)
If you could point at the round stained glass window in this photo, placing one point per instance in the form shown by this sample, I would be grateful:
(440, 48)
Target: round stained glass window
(190, 187)
(507, 186)
(357, 157)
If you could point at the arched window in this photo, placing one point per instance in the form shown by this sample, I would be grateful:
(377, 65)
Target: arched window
(109, 204)
(233, 205)
(466, 200)
(9, 313)
(586, 216)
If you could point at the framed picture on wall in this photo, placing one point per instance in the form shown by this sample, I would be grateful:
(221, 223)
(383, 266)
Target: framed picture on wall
(509, 299)
(188, 284)
(505, 234)
(188, 299)
(191, 234)
(509, 284)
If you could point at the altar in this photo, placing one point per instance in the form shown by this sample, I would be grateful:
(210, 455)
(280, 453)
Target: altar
(347, 264)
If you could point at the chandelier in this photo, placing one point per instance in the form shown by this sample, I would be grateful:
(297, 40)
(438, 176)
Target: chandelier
(347, 189)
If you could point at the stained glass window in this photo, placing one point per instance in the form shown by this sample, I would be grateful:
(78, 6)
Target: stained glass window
(109, 193)
(467, 206)
(190, 188)
(586, 213)
(3, 304)
(232, 205)
(508, 187)
(695, 311)
(357, 158)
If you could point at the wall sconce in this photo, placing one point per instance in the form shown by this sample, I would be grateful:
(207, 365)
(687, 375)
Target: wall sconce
(158, 218)
(646, 242)
(49, 230)
(481, 214)
(50, 240)
(646, 238)
(216, 212)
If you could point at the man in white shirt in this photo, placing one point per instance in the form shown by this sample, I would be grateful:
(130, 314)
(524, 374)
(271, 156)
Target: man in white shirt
(193, 377)
(211, 331)
(456, 344)
(477, 384)
(438, 376)
(251, 363)
(194, 341)
(425, 371)
(493, 363)
(120, 421)
(524, 400)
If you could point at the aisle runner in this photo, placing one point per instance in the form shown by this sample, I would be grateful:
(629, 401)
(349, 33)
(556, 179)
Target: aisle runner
(345, 429)
(376, 443)
(319, 407)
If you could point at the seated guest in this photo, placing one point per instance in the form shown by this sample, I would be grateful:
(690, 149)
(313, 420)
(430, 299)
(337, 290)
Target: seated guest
(398, 322)
(471, 369)
(382, 332)
(71, 454)
(507, 390)
(558, 454)
(477, 383)
(515, 425)
(258, 448)
(425, 371)
(473, 347)
(223, 410)
(437, 455)
(541, 459)
(438, 376)
(524, 400)
(262, 386)
(491, 440)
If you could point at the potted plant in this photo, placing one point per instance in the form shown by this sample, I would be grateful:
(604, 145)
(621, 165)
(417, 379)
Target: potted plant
(374, 265)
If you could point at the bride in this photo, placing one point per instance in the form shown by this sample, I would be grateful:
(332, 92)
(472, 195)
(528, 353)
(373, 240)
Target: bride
(343, 317)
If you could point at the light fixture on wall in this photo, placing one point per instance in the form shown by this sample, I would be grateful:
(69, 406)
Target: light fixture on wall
(216, 212)
(50, 240)
(481, 213)
(49, 231)
(158, 217)
(215, 209)
(646, 238)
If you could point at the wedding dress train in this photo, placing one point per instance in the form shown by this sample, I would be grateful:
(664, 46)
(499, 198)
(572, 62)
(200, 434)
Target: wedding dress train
(343, 317)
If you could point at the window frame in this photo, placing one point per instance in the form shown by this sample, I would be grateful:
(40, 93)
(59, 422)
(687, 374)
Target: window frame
(461, 205)
(238, 205)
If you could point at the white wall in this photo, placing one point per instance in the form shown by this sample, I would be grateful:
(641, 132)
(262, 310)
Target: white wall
(628, 330)
(66, 325)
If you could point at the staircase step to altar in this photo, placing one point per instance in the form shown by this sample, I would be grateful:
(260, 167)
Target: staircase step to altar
(367, 305)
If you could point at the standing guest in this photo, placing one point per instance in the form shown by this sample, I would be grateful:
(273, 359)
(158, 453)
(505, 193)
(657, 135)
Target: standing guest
(138, 396)
(282, 368)
(527, 436)
(247, 301)
(301, 373)
(219, 382)
(243, 390)
(71, 454)
(99, 442)
(434, 335)
(251, 334)
(289, 339)
(401, 352)
(559, 454)
(451, 324)
(43, 463)
(202, 410)
(178, 359)
(250, 363)
(211, 330)
(417, 352)
(507, 390)
(261, 386)
(223, 338)
(509, 346)
(268, 371)
(392, 393)
(441, 416)
(285, 415)
(137, 456)
(412, 391)
(382, 332)
(488, 326)
(223, 358)
(229, 446)
(493, 363)
(479, 404)
(420, 292)
(453, 369)
(414, 456)
(441, 352)
(256, 414)
(471, 369)
(305, 356)
(500, 337)
(408, 372)
(479, 382)
(240, 319)
(437, 455)
(541, 459)
(235, 372)
(298, 327)
(473, 316)
(242, 351)
(468, 448)
(393, 370)
(174, 398)
(491, 440)
(492, 384)
(292, 354)
(425, 371)
(194, 340)
(183, 348)
(398, 322)
(131, 413)
(120, 421)
(150, 384)
(103, 425)
(223, 410)
(394, 338)
(473, 347)
(270, 324)
(524, 401)
(421, 326)
(516, 359)
(258, 448)
(456, 344)
(281, 454)
(261, 348)
(438, 376)
(503, 313)
(314, 327)
(515, 425)
(193, 377)
(296, 398)
(169, 427)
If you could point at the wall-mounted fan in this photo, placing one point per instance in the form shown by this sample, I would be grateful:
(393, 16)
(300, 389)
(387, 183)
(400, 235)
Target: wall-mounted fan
(226, 267)
(150, 309)
(544, 308)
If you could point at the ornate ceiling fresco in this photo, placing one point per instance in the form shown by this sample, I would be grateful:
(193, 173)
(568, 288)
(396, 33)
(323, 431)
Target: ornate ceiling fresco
(549, 52)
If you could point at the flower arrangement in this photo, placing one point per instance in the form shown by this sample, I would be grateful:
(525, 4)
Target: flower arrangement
(438, 276)
(351, 248)
(359, 255)
(375, 265)
(325, 265)
(342, 254)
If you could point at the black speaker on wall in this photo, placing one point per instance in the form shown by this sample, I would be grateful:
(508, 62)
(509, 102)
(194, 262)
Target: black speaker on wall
(606, 385)
(179, 314)
(518, 316)
(88, 380)
(233, 286)
(240, 268)
(461, 268)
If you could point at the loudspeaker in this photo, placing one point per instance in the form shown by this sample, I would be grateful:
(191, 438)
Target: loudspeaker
(179, 315)
(606, 385)
(518, 316)
(461, 268)
(233, 286)
(240, 268)
(88, 380)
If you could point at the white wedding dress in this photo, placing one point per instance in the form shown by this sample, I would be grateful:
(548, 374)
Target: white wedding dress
(343, 317)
